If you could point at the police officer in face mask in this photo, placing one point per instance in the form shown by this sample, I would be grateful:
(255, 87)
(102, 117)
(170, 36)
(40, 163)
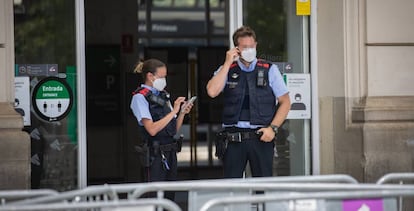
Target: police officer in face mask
(256, 103)
(158, 121)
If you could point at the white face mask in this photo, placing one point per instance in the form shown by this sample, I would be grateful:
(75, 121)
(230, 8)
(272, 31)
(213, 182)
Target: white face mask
(248, 54)
(159, 83)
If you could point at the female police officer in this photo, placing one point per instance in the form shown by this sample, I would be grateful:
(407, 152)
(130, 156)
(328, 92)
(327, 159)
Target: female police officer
(159, 121)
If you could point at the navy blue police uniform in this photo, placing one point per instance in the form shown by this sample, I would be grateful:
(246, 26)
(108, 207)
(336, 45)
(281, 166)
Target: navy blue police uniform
(249, 104)
(162, 146)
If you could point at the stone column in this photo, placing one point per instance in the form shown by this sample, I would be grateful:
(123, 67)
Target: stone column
(14, 143)
(388, 135)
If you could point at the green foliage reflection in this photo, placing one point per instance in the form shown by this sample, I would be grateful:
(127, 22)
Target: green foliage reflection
(45, 32)
(268, 19)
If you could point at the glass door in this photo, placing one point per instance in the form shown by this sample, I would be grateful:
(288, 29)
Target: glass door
(282, 38)
(46, 69)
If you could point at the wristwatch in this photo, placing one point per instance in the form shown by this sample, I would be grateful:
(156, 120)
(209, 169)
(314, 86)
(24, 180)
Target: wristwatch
(274, 128)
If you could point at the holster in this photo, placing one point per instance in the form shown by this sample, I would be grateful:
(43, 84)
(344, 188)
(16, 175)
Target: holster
(144, 155)
(179, 143)
(221, 143)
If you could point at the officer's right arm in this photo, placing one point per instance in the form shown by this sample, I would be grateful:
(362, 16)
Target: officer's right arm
(154, 127)
(216, 84)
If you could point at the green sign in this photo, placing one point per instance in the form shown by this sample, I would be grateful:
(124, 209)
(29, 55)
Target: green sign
(52, 99)
(52, 90)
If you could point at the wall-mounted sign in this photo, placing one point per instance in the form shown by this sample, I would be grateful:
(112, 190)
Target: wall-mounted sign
(37, 70)
(104, 88)
(52, 99)
(363, 204)
(303, 7)
(284, 67)
(176, 27)
(298, 85)
(127, 43)
(22, 98)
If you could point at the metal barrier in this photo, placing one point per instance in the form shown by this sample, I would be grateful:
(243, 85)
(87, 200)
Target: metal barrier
(122, 205)
(188, 185)
(332, 178)
(13, 195)
(73, 199)
(396, 177)
(200, 193)
(204, 191)
(100, 193)
(323, 204)
(400, 178)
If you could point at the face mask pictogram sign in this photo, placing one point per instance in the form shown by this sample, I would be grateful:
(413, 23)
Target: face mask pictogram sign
(52, 99)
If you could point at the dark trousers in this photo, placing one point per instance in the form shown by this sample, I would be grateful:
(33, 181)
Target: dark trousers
(158, 172)
(258, 153)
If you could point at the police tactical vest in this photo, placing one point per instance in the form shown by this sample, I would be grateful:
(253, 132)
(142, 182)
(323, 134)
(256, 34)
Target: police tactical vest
(248, 96)
(158, 108)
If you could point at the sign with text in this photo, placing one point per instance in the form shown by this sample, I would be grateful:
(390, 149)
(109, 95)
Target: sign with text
(52, 99)
(298, 85)
(22, 98)
(178, 28)
(103, 85)
(37, 70)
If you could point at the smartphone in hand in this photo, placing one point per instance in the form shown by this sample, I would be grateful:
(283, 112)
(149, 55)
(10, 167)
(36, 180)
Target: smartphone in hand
(192, 99)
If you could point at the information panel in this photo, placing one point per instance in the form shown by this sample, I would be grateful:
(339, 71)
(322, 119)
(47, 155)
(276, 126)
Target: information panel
(298, 85)
(22, 98)
(52, 99)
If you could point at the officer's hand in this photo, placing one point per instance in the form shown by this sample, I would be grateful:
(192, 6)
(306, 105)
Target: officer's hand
(177, 104)
(268, 134)
(232, 55)
(186, 108)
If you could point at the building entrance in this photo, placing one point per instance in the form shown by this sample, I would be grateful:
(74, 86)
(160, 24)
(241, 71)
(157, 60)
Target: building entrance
(191, 37)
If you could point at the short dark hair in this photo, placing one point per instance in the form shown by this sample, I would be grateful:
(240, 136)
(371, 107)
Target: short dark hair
(243, 31)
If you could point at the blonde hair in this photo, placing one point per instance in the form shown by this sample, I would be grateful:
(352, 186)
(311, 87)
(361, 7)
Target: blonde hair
(148, 66)
(138, 67)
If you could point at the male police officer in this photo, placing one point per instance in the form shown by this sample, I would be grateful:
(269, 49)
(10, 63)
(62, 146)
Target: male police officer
(256, 101)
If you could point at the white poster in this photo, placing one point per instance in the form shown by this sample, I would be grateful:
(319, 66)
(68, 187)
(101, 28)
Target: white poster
(298, 85)
(22, 98)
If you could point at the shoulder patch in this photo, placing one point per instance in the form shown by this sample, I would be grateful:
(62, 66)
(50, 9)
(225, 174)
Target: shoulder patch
(234, 64)
(263, 64)
(142, 90)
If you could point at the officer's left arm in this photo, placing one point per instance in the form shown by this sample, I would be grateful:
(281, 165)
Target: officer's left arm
(282, 111)
(278, 119)
(281, 92)
(185, 109)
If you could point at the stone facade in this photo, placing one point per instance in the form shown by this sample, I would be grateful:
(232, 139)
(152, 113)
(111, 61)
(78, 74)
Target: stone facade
(14, 143)
(14, 150)
(365, 56)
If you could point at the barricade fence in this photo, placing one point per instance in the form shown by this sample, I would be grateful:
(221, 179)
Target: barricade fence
(121, 205)
(314, 201)
(14, 195)
(400, 178)
(396, 177)
(201, 192)
(111, 192)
